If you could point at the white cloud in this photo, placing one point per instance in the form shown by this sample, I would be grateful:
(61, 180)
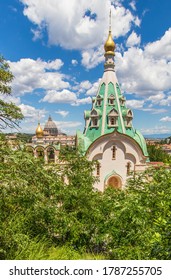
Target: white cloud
(64, 96)
(83, 86)
(156, 130)
(135, 104)
(142, 73)
(31, 113)
(154, 111)
(32, 74)
(133, 40)
(93, 90)
(86, 100)
(63, 125)
(160, 49)
(74, 62)
(11, 98)
(133, 5)
(157, 98)
(75, 26)
(37, 34)
(87, 87)
(166, 119)
(91, 58)
(62, 113)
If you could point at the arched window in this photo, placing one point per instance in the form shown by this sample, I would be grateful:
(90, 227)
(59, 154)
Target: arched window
(111, 99)
(40, 152)
(113, 118)
(51, 154)
(30, 150)
(99, 100)
(94, 118)
(113, 152)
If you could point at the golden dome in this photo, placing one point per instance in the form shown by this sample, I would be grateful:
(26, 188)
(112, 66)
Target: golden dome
(109, 46)
(39, 131)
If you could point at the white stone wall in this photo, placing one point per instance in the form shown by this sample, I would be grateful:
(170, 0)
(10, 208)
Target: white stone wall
(127, 150)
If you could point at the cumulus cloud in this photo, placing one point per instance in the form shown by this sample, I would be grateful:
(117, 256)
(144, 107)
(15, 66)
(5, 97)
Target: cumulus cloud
(86, 100)
(142, 73)
(74, 62)
(160, 49)
(33, 74)
(83, 86)
(62, 113)
(75, 26)
(93, 90)
(64, 96)
(133, 40)
(135, 104)
(87, 88)
(166, 119)
(31, 113)
(91, 58)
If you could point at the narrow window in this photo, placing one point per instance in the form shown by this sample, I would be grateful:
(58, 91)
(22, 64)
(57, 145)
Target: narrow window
(98, 102)
(111, 101)
(98, 169)
(112, 121)
(113, 152)
(128, 168)
(95, 122)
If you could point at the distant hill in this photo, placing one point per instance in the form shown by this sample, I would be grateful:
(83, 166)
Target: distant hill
(157, 136)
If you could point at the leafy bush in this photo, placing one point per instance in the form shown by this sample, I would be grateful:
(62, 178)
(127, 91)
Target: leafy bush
(43, 216)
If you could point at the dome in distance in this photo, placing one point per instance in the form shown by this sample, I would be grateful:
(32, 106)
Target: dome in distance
(50, 128)
(39, 131)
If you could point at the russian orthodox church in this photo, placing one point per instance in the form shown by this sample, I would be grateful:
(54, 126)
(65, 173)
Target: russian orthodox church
(109, 137)
(47, 142)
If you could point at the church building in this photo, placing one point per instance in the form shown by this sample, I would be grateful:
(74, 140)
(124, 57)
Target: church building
(47, 142)
(109, 137)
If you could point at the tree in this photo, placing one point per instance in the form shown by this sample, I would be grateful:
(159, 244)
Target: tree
(10, 114)
(157, 154)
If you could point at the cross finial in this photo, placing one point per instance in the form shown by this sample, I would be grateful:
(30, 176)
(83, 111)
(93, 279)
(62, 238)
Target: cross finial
(110, 20)
(38, 117)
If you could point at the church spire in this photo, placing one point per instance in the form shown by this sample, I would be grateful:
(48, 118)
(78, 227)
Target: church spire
(109, 45)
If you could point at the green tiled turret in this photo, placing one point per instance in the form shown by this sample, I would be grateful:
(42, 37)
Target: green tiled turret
(109, 112)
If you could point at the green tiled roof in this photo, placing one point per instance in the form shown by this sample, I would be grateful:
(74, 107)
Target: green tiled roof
(111, 98)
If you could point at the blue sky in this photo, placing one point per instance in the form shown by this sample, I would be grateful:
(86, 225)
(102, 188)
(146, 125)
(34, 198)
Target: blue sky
(55, 51)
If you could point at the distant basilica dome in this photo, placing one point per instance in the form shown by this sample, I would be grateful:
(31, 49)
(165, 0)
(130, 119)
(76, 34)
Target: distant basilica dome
(50, 128)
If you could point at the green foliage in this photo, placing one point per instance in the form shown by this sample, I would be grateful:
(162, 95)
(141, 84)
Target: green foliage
(10, 114)
(53, 212)
(5, 77)
(157, 154)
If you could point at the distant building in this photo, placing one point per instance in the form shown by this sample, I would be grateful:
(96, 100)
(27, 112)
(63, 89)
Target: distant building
(47, 142)
(166, 148)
